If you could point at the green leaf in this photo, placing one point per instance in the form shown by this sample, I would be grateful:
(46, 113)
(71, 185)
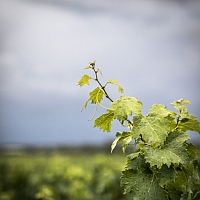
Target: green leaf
(179, 104)
(124, 137)
(115, 82)
(186, 121)
(135, 161)
(166, 175)
(141, 182)
(192, 190)
(133, 156)
(126, 106)
(88, 67)
(173, 193)
(186, 102)
(142, 185)
(181, 180)
(192, 150)
(173, 152)
(111, 81)
(92, 63)
(84, 80)
(116, 141)
(186, 185)
(160, 110)
(191, 124)
(120, 89)
(99, 71)
(95, 96)
(155, 125)
(104, 122)
(182, 109)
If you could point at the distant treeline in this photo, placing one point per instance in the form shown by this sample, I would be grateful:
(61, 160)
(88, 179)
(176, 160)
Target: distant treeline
(87, 148)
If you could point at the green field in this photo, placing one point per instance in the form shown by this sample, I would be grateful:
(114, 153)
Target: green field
(61, 176)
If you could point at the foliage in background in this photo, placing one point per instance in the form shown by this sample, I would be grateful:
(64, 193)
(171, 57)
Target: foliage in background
(75, 176)
(165, 166)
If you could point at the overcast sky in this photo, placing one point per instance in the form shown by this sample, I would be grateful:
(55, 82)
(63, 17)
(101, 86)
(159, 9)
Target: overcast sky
(151, 47)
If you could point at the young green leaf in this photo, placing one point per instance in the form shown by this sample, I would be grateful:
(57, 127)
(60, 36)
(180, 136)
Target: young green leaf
(99, 71)
(179, 103)
(191, 124)
(88, 67)
(180, 106)
(186, 121)
(116, 141)
(186, 101)
(104, 122)
(115, 82)
(95, 96)
(84, 80)
(120, 89)
(124, 137)
(92, 63)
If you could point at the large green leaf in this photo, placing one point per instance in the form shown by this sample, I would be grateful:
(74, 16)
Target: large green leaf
(126, 106)
(104, 122)
(160, 110)
(174, 151)
(143, 183)
(95, 96)
(155, 125)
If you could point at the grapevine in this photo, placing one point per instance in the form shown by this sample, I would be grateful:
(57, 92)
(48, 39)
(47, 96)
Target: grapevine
(165, 166)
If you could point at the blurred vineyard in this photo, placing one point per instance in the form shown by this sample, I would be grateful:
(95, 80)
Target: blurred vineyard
(61, 176)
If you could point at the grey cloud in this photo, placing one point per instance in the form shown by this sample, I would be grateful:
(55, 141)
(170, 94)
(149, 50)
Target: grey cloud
(152, 51)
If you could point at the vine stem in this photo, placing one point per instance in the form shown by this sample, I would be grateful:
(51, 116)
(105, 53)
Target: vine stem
(108, 97)
(106, 94)
(102, 87)
(178, 119)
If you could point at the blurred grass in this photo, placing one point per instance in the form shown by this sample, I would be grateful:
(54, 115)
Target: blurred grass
(74, 175)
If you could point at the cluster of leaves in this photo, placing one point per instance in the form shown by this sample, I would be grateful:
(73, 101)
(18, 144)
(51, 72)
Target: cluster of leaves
(165, 165)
